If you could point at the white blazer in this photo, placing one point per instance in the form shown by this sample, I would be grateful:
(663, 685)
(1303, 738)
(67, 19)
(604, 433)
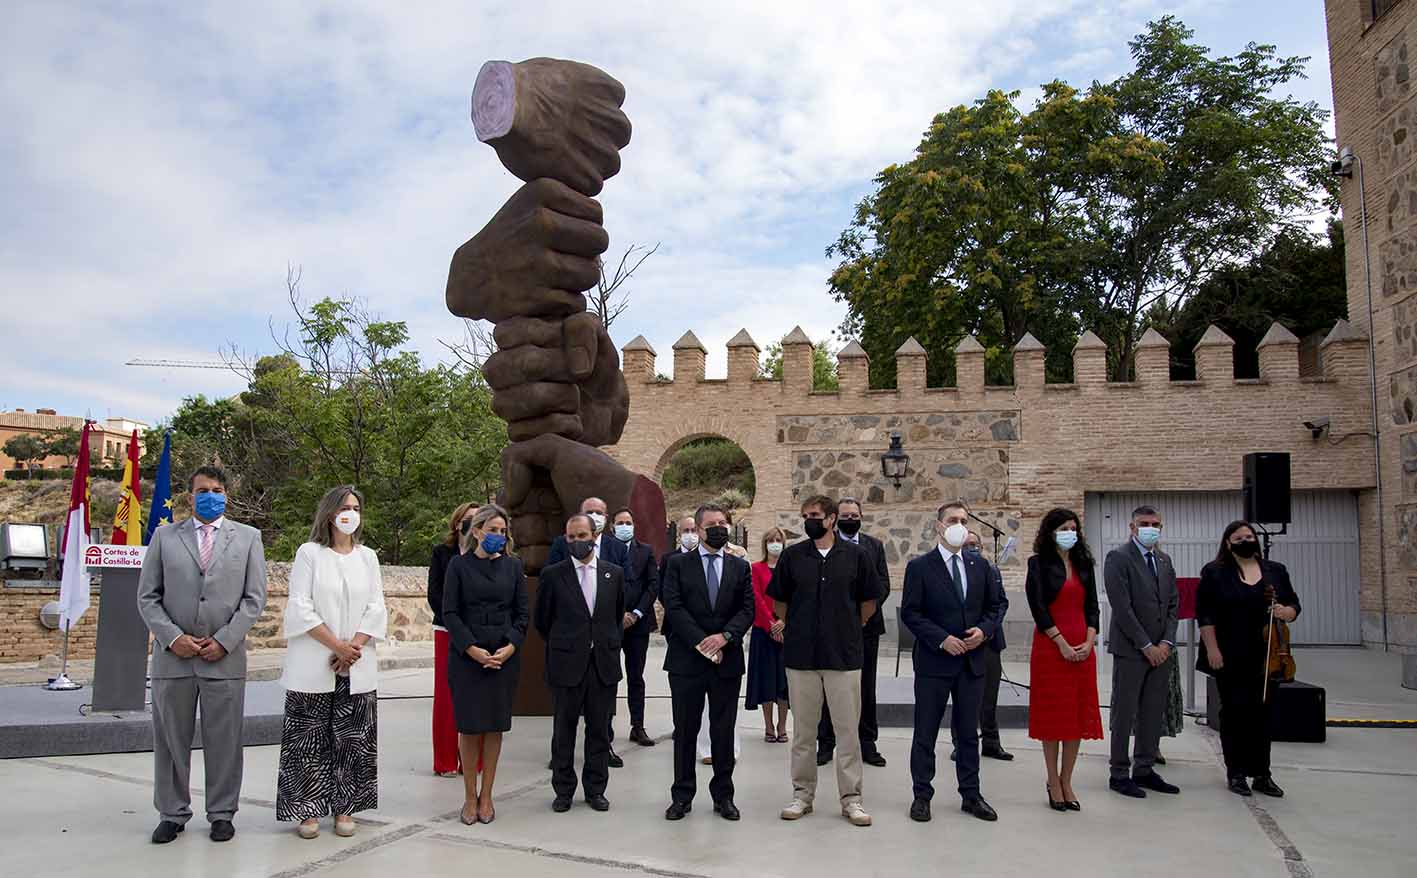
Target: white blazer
(322, 594)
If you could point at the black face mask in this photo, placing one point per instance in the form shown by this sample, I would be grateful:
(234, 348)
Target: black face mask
(582, 549)
(849, 526)
(716, 537)
(466, 526)
(815, 528)
(1246, 548)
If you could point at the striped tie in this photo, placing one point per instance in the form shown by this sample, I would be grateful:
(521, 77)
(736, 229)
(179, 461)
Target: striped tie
(205, 551)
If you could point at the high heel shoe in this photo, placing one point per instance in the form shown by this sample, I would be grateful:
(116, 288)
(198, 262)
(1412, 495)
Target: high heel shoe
(468, 821)
(1052, 802)
(491, 815)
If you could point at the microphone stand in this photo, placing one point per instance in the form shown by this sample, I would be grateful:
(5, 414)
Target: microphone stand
(989, 524)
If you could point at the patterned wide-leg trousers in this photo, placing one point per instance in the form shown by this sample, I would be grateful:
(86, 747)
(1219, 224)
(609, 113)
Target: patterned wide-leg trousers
(329, 754)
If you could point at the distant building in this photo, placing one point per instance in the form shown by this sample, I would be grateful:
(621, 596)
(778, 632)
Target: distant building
(109, 437)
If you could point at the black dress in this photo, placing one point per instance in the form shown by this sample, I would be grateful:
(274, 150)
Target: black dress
(1239, 613)
(484, 605)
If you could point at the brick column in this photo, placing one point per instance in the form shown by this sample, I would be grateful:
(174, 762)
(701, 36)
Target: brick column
(853, 370)
(1279, 354)
(797, 361)
(1029, 372)
(638, 360)
(1090, 359)
(910, 367)
(1215, 356)
(969, 365)
(742, 358)
(689, 357)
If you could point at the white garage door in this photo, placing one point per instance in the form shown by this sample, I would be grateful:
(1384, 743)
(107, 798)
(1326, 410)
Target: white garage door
(1320, 550)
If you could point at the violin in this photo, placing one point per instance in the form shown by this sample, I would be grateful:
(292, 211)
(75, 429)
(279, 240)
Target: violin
(1279, 661)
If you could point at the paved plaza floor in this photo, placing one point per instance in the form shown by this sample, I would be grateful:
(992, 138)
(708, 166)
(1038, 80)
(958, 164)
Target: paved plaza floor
(1349, 810)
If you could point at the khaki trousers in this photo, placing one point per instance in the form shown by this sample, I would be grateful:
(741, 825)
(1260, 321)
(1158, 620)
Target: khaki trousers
(841, 692)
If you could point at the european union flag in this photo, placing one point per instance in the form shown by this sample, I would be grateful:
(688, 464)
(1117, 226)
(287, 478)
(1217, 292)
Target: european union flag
(161, 511)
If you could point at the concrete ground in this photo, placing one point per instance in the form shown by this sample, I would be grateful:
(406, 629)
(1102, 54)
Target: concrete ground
(1349, 810)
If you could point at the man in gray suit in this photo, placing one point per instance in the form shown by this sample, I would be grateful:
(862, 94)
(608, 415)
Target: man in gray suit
(1141, 588)
(202, 587)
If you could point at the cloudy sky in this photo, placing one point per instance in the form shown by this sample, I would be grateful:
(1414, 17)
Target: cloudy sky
(162, 163)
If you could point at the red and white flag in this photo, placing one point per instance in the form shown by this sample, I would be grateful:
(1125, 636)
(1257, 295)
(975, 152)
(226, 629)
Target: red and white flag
(74, 586)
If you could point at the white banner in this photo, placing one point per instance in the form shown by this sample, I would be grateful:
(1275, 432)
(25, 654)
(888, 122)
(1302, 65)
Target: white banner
(74, 586)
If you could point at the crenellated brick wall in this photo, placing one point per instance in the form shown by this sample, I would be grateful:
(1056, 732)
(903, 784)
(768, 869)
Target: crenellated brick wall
(1012, 452)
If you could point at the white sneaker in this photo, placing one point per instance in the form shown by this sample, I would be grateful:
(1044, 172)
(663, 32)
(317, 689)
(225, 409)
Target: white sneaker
(856, 814)
(796, 809)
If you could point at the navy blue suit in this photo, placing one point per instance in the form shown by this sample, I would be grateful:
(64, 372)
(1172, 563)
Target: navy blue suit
(930, 607)
(641, 588)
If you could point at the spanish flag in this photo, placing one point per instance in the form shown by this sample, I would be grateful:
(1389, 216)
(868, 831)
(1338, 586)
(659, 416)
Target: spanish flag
(128, 520)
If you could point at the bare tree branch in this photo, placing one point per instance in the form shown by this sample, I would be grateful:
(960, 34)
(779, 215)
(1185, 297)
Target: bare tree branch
(608, 300)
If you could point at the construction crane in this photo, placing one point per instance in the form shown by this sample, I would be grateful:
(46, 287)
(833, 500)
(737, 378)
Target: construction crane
(178, 364)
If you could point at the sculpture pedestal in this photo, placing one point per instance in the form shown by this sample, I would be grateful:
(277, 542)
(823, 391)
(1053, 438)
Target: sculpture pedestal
(533, 696)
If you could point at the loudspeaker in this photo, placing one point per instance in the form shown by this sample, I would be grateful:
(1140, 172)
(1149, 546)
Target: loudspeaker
(1266, 488)
(1297, 711)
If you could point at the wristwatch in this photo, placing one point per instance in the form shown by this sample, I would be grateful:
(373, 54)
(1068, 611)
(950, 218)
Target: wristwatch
(728, 636)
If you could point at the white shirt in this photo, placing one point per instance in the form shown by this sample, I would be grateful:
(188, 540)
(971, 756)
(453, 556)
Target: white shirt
(947, 554)
(590, 564)
(345, 593)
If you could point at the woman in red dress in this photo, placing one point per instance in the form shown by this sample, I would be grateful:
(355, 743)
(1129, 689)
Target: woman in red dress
(1062, 594)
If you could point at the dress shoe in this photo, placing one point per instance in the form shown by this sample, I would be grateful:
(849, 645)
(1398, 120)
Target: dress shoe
(920, 810)
(1159, 760)
(954, 755)
(166, 831)
(551, 765)
(726, 809)
(678, 810)
(979, 808)
(874, 758)
(1153, 781)
(615, 760)
(823, 757)
(222, 830)
(1238, 786)
(561, 804)
(1072, 805)
(997, 753)
(1267, 786)
(638, 736)
(1126, 786)
(598, 803)
(1055, 804)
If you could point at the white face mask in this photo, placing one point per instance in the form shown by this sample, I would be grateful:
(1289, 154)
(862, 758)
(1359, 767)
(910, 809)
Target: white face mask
(689, 541)
(347, 521)
(597, 521)
(774, 549)
(955, 535)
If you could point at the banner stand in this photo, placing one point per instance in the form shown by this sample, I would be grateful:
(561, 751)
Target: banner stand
(62, 683)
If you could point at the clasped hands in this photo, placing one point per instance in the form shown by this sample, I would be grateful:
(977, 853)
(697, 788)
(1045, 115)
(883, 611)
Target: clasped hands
(492, 661)
(344, 654)
(187, 646)
(712, 645)
(957, 646)
(1157, 654)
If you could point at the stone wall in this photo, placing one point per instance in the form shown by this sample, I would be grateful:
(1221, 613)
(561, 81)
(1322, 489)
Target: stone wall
(1012, 452)
(24, 639)
(1375, 116)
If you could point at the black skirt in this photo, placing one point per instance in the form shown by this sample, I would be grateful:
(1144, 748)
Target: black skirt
(482, 699)
(767, 671)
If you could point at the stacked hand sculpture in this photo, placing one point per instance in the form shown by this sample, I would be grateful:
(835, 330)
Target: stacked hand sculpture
(555, 377)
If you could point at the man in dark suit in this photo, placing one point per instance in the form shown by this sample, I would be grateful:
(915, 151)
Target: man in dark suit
(708, 594)
(641, 588)
(848, 526)
(580, 605)
(989, 744)
(606, 548)
(950, 606)
(1141, 588)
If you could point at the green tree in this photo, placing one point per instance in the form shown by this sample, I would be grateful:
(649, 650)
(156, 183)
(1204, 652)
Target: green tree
(64, 443)
(1101, 209)
(1298, 281)
(824, 375)
(25, 448)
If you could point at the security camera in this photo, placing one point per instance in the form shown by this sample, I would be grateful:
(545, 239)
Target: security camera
(1317, 426)
(1343, 165)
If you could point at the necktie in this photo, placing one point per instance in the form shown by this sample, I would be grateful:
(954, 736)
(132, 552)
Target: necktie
(712, 576)
(205, 550)
(1151, 565)
(958, 576)
(588, 587)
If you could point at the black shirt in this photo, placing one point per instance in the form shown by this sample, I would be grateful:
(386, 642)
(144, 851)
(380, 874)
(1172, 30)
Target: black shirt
(443, 554)
(824, 597)
(1239, 611)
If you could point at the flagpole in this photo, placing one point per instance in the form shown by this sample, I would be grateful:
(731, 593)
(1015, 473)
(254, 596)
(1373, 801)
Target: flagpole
(62, 683)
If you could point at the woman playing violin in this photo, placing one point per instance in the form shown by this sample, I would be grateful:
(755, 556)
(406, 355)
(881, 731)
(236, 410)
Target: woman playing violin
(1238, 592)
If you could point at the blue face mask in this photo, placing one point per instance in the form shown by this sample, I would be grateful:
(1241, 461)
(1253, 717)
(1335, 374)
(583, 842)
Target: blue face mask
(1065, 539)
(1148, 536)
(209, 505)
(624, 532)
(494, 543)
(972, 552)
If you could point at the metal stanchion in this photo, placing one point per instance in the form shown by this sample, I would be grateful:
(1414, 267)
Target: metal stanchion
(1192, 644)
(62, 683)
